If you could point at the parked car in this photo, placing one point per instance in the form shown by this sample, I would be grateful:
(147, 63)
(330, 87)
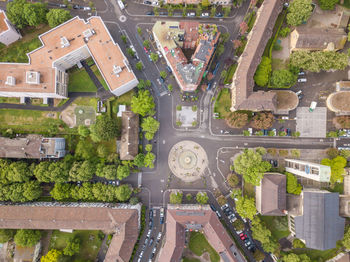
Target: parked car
(151, 214)
(144, 48)
(225, 207)
(301, 73)
(151, 241)
(169, 69)
(163, 13)
(154, 250)
(299, 92)
(87, 8)
(243, 236)
(302, 80)
(285, 117)
(212, 207)
(155, 3)
(205, 15)
(149, 232)
(146, 241)
(161, 216)
(151, 37)
(62, 5)
(150, 224)
(150, 13)
(250, 130)
(159, 236)
(300, 96)
(77, 7)
(159, 54)
(191, 14)
(219, 15)
(289, 132)
(218, 214)
(312, 106)
(274, 131)
(147, 2)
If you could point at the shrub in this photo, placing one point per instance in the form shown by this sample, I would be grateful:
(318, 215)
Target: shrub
(297, 243)
(232, 180)
(189, 197)
(178, 107)
(284, 32)
(263, 72)
(283, 152)
(221, 200)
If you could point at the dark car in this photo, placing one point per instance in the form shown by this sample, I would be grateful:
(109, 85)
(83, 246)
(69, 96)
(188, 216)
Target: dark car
(151, 214)
(147, 2)
(219, 15)
(288, 132)
(161, 79)
(161, 220)
(169, 69)
(163, 13)
(300, 96)
(150, 224)
(151, 242)
(150, 13)
(77, 7)
(212, 207)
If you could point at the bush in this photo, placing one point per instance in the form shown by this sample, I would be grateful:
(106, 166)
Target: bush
(232, 180)
(189, 197)
(262, 74)
(284, 32)
(178, 107)
(221, 200)
(282, 78)
(297, 243)
(332, 153)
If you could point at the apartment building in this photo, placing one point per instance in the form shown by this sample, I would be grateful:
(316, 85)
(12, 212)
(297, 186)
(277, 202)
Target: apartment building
(173, 37)
(8, 32)
(314, 171)
(64, 46)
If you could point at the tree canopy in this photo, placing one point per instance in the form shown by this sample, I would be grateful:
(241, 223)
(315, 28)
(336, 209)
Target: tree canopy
(81, 171)
(105, 128)
(72, 247)
(107, 171)
(262, 74)
(327, 4)
(52, 256)
(337, 165)
(22, 13)
(149, 160)
(299, 11)
(56, 17)
(202, 198)
(246, 207)
(176, 197)
(346, 239)
(282, 78)
(263, 234)
(143, 103)
(27, 237)
(251, 166)
(293, 187)
(150, 125)
(232, 180)
(123, 172)
(6, 235)
(139, 160)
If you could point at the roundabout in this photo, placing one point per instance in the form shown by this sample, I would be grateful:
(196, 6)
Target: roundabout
(187, 160)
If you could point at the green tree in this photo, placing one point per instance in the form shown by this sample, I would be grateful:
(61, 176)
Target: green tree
(346, 239)
(299, 11)
(148, 147)
(258, 255)
(212, 11)
(246, 207)
(149, 136)
(124, 39)
(139, 30)
(40, 171)
(251, 166)
(123, 172)
(130, 52)
(6, 235)
(238, 225)
(149, 160)
(19, 172)
(170, 87)
(148, 83)
(146, 44)
(123, 192)
(205, 3)
(262, 74)
(52, 256)
(337, 165)
(81, 171)
(139, 66)
(202, 198)
(327, 4)
(85, 150)
(72, 247)
(291, 258)
(149, 124)
(56, 17)
(107, 171)
(293, 187)
(27, 237)
(220, 50)
(224, 37)
(143, 103)
(263, 234)
(154, 57)
(223, 74)
(14, 12)
(83, 131)
(344, 153)
(232, 180)
(139, 160)
(35, 13)
(297, 243)
(134, 201)
(176, 197)
(332, 152)
(105, 128)
(32, 190)
(102, 151)
(163, 74)
(282, 78)
(61, 191)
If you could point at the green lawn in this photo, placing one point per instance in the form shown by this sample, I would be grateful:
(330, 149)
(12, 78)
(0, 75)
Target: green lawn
(31, 121)
(230, 72)
(317, 255)
(199, 244)
(120, 100)
(190, 259)
(278, 64)
(89, 245)
(223, 103)
(277, 225)
(17, 52)
(83, 113)
(86, 101)
(79, 81)
(99, 76)
(10, 100)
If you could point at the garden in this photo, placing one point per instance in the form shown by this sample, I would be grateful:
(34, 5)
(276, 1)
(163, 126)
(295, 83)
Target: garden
(223, 103)
(79, 81)
(199, 245)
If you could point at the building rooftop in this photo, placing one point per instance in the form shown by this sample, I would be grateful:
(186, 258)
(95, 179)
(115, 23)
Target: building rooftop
(61, 43)
(194, 217)
(123, 222)
(320, 224)
(242, 95)
(3, 23)
(32, 146)
(129, 144)
(271, 195)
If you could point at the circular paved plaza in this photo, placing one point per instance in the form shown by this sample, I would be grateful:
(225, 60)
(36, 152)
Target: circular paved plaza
(187, 160)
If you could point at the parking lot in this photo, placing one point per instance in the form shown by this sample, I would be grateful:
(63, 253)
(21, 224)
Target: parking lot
(312, 124)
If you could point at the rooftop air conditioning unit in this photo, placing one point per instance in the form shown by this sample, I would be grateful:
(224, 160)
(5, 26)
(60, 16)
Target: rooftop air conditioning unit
(10, 80)
(87, 33)
(116, 69)
(64, 42)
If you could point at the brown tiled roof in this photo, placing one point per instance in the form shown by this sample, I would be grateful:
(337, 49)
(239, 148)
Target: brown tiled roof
(3, 25)
(317, 38)
(129, 144)
(100, 45)
(180, 217)
(272, 195)
(260, 101)
(108, 218)
(243, 82)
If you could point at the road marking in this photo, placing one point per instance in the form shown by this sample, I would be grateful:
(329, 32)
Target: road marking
(163, 142)
(162, 180)
(122, 18)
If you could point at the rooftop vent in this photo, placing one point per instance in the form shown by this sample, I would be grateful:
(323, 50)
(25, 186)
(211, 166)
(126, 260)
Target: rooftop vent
(32, 77)
(87, 33)
(116, 70)
(64, 42)
(10, 80)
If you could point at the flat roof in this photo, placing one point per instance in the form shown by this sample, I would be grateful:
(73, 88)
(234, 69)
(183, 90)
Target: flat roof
(100, 45)
(3, 24)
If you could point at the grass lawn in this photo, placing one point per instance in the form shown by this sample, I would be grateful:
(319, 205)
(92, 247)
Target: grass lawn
(83, 113)
(114, 102)
(190, 259)
(17, 52)
(10, 100)
(89, 243)
(31, 121)
(79, 81)
(278, 64)
(248, 190)
(277, 225)
(223, 103)
(317, 255)
(86, 101)
(99, 76)
(230, 72)
(199, 244)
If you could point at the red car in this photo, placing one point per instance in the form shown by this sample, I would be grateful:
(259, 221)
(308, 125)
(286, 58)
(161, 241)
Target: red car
(145, 50)
(243, 236)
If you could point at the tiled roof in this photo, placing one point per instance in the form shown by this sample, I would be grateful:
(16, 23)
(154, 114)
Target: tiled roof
(243, 82)
(129, 144)
(3, 25)
(181, 217)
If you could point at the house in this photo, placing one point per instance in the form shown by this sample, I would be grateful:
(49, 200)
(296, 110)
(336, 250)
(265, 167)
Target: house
(317, 222)
(120, 220)
(64, 46)
(32, 146)
(270, 195)
(129, 144)
(8, 32)
(172, 37)
(242, 95)
(313, 171)
(317, 39)
(183, 218)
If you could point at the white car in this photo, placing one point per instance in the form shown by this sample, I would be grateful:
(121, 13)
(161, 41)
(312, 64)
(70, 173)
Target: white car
(87, 8)
(155, 3)
(159, 236)
(205, 15)
(159, 54)
(302, 80)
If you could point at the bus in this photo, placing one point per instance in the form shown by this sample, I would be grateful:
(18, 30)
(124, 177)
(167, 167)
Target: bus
(121, 4)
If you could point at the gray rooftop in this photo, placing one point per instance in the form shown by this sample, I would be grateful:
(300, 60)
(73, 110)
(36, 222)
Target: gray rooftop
(320, 225)
(204, 50)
